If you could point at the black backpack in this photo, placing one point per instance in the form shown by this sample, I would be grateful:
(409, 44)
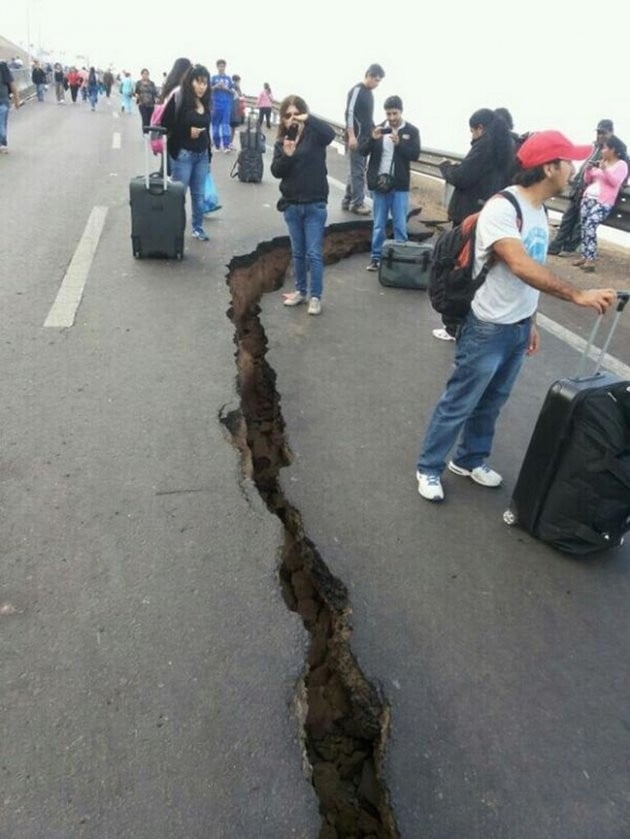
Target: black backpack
(452, 285)
(248, 166)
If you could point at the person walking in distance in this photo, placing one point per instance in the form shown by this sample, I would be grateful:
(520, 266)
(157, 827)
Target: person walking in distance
(500, 328)
(74, 83)
(60, 84)
(391, 147)
(38, 77)
(146, 95)
(359, 122)
(264, 103)
(108, 81)
(299, 160)
(92, 88)
(126, 92)
(222, 86)
(8, 91)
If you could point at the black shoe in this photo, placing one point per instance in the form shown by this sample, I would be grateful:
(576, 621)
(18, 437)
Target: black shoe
(373, 266)
(553, 249)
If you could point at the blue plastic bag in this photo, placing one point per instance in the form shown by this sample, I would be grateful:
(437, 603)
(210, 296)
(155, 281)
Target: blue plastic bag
(210, 195)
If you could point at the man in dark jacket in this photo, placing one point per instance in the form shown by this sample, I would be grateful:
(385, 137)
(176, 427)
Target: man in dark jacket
(391, 146)
(38, 77)
(359, 123)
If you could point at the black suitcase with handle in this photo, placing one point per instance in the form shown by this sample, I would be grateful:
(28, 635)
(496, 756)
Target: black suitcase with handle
(158, 210)
(573, 489)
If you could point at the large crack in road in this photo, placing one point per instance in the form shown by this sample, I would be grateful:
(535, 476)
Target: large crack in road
(345, 718)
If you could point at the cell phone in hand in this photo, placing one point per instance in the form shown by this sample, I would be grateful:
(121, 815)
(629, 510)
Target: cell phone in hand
(292, 132)
(386, 130)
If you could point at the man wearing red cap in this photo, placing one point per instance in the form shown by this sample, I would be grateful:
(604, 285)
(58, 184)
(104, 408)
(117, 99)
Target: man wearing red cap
(500, 328)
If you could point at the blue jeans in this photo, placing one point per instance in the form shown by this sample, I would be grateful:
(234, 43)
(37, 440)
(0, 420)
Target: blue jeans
(488, 358)
(4, 119)
(40, 88)
(93, 96)
(190, 168)
(395, 202)
(221, 130)
(306, 223)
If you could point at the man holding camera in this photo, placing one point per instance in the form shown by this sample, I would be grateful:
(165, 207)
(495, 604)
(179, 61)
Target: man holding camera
(391, 147)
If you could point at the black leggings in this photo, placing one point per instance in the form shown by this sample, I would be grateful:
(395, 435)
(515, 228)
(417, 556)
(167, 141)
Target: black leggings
(264, 113)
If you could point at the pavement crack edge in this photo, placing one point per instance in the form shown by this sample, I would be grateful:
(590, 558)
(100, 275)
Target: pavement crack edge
(345, 719)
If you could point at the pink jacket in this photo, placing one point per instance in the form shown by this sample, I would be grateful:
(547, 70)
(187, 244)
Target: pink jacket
(604, 184)
(264, 100)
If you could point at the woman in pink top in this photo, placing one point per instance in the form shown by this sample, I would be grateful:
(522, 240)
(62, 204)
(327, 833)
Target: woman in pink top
(264, 103)
(603, 180)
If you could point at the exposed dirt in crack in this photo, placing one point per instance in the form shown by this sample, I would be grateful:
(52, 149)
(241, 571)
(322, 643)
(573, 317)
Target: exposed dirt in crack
(346, 720)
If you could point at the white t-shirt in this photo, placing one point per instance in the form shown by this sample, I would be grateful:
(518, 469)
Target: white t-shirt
(503, 298)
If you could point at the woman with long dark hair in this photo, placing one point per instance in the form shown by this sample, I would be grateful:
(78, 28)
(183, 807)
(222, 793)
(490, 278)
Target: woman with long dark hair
(603, 181)
(187, 119)
(487, 168)
(299, 160)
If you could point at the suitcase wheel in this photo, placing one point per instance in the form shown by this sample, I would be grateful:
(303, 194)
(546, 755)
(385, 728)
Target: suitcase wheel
(135, 246)
(509, 518)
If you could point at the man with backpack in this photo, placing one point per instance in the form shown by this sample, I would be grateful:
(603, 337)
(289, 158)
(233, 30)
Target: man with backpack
(500, 329)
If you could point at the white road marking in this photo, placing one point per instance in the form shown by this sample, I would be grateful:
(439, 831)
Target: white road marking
(116, 140)
(64, 309)
(609, 362)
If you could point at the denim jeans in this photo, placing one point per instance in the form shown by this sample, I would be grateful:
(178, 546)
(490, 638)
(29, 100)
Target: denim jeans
(4, 119)
(395, 202)
(488, 358)
(306, 223)
(40, 88)
(221, 130)
(93, 96)
(190, 168)
(355, 186)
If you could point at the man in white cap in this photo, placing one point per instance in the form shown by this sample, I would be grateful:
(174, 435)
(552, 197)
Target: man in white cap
(500, 329)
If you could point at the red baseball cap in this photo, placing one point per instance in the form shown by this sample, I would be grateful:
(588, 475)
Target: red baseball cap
(544, 146)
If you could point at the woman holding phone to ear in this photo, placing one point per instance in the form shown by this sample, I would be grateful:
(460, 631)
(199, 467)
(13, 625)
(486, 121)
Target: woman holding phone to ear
(299, 161)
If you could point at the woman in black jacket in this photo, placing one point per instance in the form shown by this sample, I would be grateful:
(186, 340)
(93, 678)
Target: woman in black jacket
(187, 118)
(299, 160)
(486, 169)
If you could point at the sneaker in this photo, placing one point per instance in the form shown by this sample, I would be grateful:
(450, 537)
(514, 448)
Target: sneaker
(294, 299)
(314, 306)
(373, 266)
(430, 487)
(4, 150)
(227, 150)
(442, 335)
(201, 235)
(361, 210)
(345, 205)
(483, 475)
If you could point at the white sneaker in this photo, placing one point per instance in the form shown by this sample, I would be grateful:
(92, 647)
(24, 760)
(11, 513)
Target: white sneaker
(483, 475)
(430, 487)
(294, 299)
(442, 335)
(314, 306)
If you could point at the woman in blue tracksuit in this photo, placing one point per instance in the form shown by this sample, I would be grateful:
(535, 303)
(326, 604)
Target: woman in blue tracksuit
(299, 160)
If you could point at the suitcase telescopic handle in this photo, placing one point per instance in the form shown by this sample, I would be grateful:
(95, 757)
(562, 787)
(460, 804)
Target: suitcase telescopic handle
(622, 299)
(147, 131)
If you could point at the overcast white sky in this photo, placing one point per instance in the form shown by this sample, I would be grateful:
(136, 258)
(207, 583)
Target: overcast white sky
(550, 68)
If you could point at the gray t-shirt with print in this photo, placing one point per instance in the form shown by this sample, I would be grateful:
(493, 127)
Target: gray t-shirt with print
(504, 298)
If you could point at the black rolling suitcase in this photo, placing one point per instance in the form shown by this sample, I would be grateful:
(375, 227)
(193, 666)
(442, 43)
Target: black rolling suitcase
(573, 489)
(405, 264)
(158, 210)
(248, 166)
